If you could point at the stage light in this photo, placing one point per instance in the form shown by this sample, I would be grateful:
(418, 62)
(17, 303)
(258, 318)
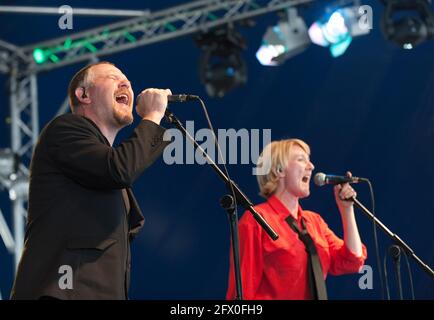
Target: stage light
(283, 41)
(333, 32)
(338, 29)
(221, 66)
(39, 55)
(407, 23)
(8, 164)
(19, 189)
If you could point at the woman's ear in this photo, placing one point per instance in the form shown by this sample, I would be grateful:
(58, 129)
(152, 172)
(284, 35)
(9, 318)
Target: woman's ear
(280, 172)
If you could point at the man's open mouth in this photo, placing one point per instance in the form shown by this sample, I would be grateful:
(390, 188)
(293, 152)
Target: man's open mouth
(123, 98)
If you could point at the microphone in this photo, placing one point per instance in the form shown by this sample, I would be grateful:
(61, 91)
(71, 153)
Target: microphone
(181, 98)
(321, 179)
(173, 98)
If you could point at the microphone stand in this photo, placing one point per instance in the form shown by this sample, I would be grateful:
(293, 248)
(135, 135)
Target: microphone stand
(395, 253)
(227, 202)
(405, 247)
(240, 198)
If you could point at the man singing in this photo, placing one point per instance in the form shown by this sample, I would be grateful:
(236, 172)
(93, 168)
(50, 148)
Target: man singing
(82, 213)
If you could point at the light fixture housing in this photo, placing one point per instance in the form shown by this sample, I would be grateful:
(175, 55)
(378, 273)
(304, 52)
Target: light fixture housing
(337, 29)
(407, 23)
(221, 66)
(284, 40)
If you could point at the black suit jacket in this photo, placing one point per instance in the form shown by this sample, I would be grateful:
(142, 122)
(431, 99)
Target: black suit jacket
(77, 215)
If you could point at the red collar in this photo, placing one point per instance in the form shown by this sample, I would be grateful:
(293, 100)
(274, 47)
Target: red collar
(280, 209)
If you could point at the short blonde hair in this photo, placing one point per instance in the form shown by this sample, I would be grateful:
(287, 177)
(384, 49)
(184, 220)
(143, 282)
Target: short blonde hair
(279, 151)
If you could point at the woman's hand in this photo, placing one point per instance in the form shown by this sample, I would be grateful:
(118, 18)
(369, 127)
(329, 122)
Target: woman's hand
(344, 193)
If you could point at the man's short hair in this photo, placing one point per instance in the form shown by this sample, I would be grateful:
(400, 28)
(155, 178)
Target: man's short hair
(80, 80)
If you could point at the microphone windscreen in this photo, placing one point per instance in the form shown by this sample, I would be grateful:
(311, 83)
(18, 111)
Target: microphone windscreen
(320, 179)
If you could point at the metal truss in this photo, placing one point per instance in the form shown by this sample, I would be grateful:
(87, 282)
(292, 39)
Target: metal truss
(10, 54)
(24, 114)
(158, 26)
(24, 124)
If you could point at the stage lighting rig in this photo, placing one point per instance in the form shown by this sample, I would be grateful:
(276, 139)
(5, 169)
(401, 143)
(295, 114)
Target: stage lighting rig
(284, 40)
(407, 23)
(221, 66)
(337, 29)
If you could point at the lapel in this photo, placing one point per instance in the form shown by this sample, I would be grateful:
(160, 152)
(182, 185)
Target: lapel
(135, 218)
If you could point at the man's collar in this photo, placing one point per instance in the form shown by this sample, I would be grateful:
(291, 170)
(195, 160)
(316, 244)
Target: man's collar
(95, 125)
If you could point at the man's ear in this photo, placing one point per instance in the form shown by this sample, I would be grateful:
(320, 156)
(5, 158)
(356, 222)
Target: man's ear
(81, 95)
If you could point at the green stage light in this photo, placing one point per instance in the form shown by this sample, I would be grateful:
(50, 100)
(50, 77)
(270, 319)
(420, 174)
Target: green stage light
(39, 55)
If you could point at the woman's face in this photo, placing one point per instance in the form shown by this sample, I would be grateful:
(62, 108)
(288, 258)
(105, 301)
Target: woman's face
(298, 173)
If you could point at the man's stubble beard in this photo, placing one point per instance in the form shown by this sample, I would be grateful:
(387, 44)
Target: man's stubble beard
(121, 118)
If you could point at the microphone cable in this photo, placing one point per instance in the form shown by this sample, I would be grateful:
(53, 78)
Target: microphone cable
(410, 276)
(385, 275)
(211, 127)
(189, 97)
(377, 249)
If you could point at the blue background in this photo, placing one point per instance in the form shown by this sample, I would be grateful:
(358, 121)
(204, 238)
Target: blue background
(370, 111)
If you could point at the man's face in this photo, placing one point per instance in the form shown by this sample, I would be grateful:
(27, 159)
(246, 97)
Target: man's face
(111, 95)
(298, 172)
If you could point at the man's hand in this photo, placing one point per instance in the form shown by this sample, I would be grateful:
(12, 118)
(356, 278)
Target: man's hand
(152, 103)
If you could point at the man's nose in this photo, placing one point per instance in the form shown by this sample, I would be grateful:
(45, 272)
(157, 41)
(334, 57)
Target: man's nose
(124, 84)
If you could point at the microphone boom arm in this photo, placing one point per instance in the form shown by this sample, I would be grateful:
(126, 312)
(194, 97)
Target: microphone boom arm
(394, 237)
(241, 198)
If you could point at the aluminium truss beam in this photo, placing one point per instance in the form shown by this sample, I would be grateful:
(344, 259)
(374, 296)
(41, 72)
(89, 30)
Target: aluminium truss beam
(159, 26)
(9, 53)
(24, 134)
(77, 11)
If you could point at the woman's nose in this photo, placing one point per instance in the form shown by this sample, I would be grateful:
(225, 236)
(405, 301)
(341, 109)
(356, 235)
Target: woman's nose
(311, 166)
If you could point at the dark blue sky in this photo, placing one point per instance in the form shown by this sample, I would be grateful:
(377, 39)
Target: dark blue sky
(370, 111)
